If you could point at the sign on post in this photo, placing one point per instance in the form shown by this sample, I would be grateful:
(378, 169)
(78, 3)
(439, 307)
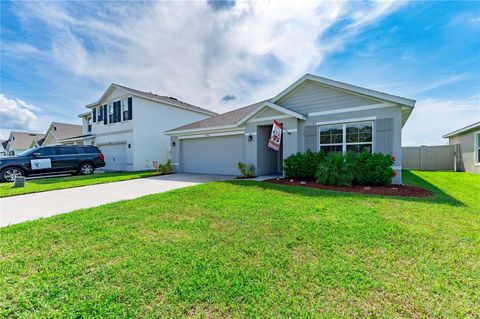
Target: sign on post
(276, 137)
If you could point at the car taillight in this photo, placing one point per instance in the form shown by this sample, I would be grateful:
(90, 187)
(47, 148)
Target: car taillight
(102, 158)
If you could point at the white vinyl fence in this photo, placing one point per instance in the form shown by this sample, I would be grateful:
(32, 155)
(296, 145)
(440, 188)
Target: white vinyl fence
(430, 158)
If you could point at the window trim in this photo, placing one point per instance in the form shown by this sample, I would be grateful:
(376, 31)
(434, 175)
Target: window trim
(476, 149)
(344, 124)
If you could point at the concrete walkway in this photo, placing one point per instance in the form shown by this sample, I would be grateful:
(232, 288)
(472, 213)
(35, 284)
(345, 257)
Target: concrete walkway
(17, 209)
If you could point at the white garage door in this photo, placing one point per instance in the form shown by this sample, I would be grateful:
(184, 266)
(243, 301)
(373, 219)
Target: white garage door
(115, 156)
(213, 155)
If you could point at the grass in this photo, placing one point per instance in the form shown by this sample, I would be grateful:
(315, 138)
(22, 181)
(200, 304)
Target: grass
(54, 183)
(252, 249)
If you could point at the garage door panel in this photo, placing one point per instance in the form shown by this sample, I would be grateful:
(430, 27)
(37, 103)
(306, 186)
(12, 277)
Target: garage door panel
(115, 156)
(213, 155)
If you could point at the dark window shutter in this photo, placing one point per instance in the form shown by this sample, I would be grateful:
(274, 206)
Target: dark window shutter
(114, 112)
(384, 136)
(94, 114)
(105, 116)
(130, 108)
(311, 138)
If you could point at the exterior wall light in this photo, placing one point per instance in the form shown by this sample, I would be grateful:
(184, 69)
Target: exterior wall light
(250, 137)
(173, 144)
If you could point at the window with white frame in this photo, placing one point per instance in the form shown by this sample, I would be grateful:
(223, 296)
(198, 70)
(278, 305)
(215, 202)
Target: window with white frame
(125, 110)
(356, 137)
(110, 113)
(331, 138)
(477, 148)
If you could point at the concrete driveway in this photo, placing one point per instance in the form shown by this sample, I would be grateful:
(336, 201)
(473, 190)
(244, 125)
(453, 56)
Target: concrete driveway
(17, 209)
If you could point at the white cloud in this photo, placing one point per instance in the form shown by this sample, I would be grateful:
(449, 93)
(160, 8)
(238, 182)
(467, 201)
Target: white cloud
(188, 50)
(433, 118)
(16, 114)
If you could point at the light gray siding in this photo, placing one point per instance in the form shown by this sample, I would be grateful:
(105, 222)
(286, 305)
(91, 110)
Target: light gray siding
(212, 155)
(267, 112)
(466, 154)
(312, 97)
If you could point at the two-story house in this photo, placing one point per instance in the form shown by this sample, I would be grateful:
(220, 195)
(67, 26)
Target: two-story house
(128, 126)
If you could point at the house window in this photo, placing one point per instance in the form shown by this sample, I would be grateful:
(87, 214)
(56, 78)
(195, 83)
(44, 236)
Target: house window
(100, 114)
(477, 148)
(89, 125)
(331, 138)
(125, 110)
(110, 113)
(347, 138)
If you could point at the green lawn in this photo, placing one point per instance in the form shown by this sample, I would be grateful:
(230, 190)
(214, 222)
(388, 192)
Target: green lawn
(48, 184)
(252, 249)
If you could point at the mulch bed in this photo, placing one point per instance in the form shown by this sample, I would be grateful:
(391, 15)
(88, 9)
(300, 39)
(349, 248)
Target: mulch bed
(390, 190)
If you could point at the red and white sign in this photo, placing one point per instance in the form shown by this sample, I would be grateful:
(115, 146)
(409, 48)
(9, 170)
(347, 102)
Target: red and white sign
(276, 136)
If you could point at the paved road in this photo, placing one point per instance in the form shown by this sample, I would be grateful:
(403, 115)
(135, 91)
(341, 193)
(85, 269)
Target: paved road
(17, 209)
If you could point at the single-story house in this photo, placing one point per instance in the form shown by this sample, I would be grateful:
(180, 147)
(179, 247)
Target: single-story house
(318, 113)
(58, 131)
(21, 141)
(468, 139)
(129, 126)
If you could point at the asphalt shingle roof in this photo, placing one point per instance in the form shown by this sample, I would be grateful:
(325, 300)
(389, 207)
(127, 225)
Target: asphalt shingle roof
(166, 99)
(66, 130)
(228, 118)
(23, 140)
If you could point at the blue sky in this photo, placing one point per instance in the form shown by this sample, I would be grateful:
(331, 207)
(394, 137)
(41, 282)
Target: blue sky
(57, 57)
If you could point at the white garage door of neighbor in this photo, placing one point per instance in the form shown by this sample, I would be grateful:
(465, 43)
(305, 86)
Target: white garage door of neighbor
(213, 155)
(115, 156)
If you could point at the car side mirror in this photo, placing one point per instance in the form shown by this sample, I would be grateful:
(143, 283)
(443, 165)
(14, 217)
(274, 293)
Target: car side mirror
(36, 154)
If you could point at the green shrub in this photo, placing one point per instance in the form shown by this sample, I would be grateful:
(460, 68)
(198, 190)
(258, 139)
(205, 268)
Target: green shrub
(336, 170)
(303, 165)
(246, 172)
(165, 169)
(372, 169)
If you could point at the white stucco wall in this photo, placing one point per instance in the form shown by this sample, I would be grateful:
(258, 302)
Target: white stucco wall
(150, 121)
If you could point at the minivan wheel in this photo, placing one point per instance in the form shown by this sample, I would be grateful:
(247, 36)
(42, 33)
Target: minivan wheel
(86, 169)
(9, 174)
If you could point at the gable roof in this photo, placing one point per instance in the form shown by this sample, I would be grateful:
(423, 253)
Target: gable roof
(153, 97)
(221, 120)
(64, 130)
(23, 140)
(467, 128)
(235, 118)
(3, 145)
(345, 87)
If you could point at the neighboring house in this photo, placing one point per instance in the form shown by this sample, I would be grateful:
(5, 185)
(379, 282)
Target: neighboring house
(129, 126)
(21, 141)
(319, 113)
(58, 131)
(3, 145)
(468, 139)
